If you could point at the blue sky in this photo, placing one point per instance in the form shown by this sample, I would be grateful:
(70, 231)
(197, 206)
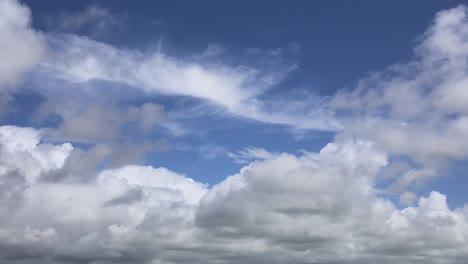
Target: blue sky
(334, 45)
(233, 132)
(339, 42)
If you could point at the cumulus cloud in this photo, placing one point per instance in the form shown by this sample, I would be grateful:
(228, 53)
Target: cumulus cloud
(318, 207)
(417, 109)
(323, 208)
(20, 146)
(21, 47)
(108, 219)
(112, 135)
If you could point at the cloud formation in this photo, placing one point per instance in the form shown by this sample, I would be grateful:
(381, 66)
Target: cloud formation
(79, 62)
(319, 207)
(86, 222)
(21, 47)
(94, 19)
(417, 109)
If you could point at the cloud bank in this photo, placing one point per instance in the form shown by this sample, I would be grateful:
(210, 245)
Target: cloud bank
(314, 208)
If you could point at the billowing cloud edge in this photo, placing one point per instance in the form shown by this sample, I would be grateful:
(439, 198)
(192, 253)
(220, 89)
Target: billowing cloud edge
(319, 207)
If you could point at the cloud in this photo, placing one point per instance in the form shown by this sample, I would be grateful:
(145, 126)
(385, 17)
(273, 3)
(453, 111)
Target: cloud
(212, 50)
(111, 135)
(80, 62)
(112, 121)
(22, 153)
(98, 220)
(80, 67)
(21, 47)
(417, 109)
(251, 153)
(318, 207)
(96, 20)
(323, 208)
(407, 198)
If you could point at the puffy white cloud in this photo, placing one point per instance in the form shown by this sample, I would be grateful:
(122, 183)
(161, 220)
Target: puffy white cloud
(104, 219)
(324, 208)
(21, 152)
(21, 47)
(418, 109)
(318, 207)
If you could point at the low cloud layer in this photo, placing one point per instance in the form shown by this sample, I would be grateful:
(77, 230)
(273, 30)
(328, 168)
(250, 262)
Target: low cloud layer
(314, 208)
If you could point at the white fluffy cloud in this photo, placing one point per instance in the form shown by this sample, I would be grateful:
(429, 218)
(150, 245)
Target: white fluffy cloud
(323, 208)
(104, 219)
(418, 109)
(21, 153)
(21, 47)
(319, 207)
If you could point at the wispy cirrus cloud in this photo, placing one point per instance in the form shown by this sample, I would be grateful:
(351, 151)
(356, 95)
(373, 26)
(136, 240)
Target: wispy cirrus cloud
(94, 19)
(235, 89)
(249, 154)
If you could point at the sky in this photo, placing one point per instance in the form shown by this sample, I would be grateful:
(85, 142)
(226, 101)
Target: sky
(157, 132)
